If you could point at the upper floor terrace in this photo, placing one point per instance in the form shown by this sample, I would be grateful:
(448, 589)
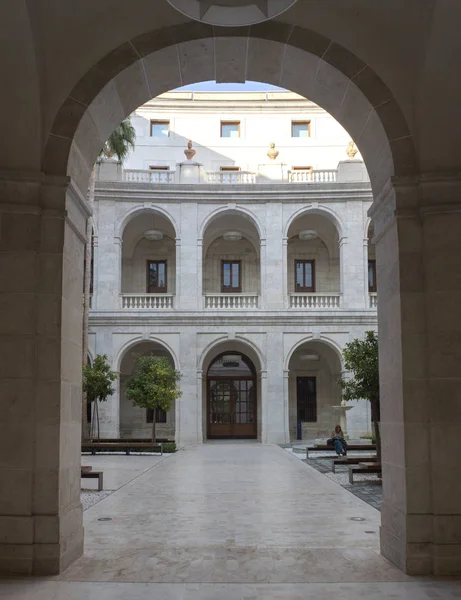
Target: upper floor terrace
(216, 247)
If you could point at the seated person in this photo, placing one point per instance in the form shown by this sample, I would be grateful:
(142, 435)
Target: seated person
(337, 440)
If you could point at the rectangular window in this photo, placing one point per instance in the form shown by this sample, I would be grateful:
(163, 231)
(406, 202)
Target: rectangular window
(231, 276)
(161, 415)
(229, 169)
(304, 275)
(306, 399)
(158, 168)
(230, 129)
(160, 128)
(156, 277)
(372, 276)
(300, 129)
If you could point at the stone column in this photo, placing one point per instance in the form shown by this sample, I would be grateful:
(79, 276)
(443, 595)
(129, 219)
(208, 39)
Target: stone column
(189, 405)
(188, 260)
(42, 234)
(108, 280)
(275, 422)
(351, 257)
(273, 291)
(417, 229)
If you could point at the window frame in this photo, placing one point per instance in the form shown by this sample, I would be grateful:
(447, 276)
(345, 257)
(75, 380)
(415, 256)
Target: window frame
(301, 122)
(313, 405)
(160, 290)
(160, 415)
(231, 290)
(304, 288)
(227, 169)
(372, 289)
(159, 168)
(229, 123)
(159, 122)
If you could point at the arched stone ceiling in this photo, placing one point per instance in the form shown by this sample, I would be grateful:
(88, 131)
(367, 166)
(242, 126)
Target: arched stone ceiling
(297, 59)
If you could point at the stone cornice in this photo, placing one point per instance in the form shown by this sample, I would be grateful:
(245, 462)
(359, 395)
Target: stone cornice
(254, 193)
(159, 320)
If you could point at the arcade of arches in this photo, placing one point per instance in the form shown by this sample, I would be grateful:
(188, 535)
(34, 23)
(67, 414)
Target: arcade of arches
(390, 78)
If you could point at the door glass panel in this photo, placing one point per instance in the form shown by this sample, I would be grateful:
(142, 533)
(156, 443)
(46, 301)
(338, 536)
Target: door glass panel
(308, 274)
(235, 275)
(153, 274)
(226, 274)
(299, 275)
(161, 275)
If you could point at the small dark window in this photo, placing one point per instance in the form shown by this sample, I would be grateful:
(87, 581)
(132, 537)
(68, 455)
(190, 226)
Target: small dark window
(300, 129)
(158, 168)
(160, 128)
(230, 129)
(307, 399)
(231, 276)
(161, 415)
(372, 276)
(156, 277)
(305, 275)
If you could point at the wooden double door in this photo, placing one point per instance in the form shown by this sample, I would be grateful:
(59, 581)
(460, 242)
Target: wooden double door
(231, 400)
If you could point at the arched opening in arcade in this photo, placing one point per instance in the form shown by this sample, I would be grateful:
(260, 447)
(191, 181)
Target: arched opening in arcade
(231, 261)
(232, 392)
(330, 75)
(136, 422)
(148, 261)
(313, 262)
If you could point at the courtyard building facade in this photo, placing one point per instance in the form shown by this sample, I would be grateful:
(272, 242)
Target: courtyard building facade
(250, 287)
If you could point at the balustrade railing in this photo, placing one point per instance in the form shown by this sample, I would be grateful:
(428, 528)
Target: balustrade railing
(319, 301)
(373, 300)
(313, 176)
(148, 176)
(147, 301)
(231, 301)
(223, 177)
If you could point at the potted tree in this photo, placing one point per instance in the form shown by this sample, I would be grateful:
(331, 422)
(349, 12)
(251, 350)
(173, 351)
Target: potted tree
(97, 385)
(362, 360)
(154, 385)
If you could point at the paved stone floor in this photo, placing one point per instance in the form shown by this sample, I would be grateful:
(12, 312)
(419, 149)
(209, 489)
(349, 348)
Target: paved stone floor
(231, 522)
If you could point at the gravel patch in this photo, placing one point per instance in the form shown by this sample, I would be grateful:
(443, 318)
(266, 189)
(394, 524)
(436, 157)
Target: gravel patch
(368, 487)
(89, 497)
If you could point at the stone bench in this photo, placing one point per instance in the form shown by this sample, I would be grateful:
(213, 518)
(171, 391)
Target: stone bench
(89, 474)
(363, 469)
(350, 448)
(351, 460)
(126, 447)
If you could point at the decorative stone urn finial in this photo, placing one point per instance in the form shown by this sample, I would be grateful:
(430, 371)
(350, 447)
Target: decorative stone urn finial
(351, 150)
(272, 153)
(189, 151)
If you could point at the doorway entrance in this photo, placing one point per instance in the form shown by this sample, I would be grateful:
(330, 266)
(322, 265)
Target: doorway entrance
(231, 397)
(306, 399)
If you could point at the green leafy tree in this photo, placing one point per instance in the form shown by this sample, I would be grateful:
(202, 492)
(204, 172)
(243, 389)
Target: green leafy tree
(97, 384)
(119, 144)
(361, 358)
(154, 385)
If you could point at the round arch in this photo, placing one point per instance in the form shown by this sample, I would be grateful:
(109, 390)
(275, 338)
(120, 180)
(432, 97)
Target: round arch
(296, 58)
(225, 344)
(237, 211)
(325, 211)
(125, 348)
(136, 211)
(323, 340)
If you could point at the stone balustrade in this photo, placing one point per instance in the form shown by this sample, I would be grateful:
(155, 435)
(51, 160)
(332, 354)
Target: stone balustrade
(313, 176)
(318, 300)
(148, 176)
(223, 177)
(373, 300)
(231, 301)
(147, 301)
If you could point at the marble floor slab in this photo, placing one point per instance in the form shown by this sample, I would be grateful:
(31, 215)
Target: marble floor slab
(231, 521)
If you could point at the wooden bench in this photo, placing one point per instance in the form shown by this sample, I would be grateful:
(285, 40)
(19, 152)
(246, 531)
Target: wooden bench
(85, 474)
(126, 447)
(363, 469)
(351, 460)
(350, 448)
